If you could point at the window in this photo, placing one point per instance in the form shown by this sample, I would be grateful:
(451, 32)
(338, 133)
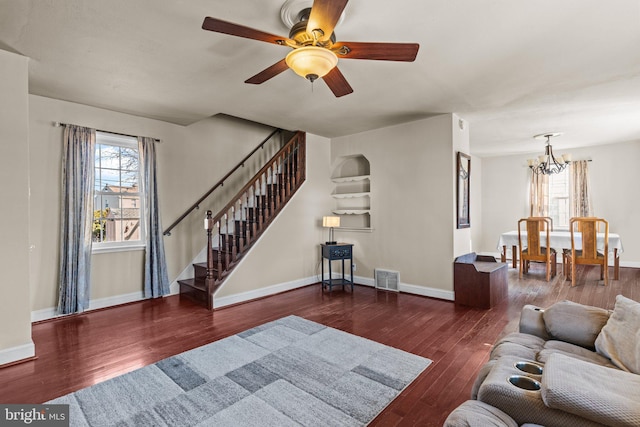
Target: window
(118, 202)
(559, 199)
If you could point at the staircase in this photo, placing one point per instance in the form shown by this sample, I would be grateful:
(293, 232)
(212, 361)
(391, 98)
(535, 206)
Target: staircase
(233, 230)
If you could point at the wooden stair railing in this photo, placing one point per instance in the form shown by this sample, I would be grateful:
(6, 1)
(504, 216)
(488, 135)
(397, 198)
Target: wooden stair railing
(220, 183)
(233, 230)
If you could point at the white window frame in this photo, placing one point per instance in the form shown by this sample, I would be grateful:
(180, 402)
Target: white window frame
(107, 138)
(557, 224)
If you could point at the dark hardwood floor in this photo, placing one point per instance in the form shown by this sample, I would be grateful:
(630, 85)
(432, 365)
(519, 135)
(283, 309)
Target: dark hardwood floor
(82, 350)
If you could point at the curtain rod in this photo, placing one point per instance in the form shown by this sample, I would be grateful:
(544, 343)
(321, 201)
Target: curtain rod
(58, 124)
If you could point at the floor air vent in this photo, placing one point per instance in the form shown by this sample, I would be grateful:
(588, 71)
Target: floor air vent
(387, 279)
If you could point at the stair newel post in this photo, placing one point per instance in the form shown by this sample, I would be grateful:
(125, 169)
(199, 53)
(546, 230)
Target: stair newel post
(209, 279)
(218, 259)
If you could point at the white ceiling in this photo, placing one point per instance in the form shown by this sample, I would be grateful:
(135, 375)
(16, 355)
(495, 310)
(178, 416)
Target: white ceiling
(510, 68)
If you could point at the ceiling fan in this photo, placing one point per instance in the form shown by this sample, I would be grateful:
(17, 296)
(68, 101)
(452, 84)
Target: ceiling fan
(315, 49)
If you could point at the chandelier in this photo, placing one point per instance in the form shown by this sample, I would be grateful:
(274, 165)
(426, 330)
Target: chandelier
(548, 163)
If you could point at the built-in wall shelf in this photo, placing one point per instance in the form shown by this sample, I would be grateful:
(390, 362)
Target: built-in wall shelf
(361, 229)
(352, 193)
(351, 211)
(350, 179)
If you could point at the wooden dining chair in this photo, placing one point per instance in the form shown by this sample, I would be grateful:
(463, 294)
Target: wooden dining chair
(533, 250)
(588, 253)
(566, 252)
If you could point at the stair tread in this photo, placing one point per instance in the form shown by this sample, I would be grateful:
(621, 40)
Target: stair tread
(197, 284)
(194, 283)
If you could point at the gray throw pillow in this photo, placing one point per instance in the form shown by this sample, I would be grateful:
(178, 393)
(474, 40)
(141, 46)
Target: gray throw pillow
(619, 339)
(575, 323)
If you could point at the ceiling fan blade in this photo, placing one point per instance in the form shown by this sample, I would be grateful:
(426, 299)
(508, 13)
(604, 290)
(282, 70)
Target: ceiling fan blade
(379, 51)
(337, 83)
(220, 26)
(268, 73)
(324, 16)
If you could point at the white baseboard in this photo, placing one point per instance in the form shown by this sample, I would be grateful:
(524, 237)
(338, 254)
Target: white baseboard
(51, 312)
(424, 291)
(367, 281)
(15, 354)
(219, 302)
(631, 264)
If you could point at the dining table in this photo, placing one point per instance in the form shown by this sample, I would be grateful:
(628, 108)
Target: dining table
(559, 240)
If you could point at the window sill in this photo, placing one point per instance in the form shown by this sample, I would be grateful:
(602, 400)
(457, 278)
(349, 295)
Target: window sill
(115, 248)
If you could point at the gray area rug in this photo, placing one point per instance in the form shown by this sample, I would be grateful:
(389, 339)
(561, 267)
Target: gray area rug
(288, 372)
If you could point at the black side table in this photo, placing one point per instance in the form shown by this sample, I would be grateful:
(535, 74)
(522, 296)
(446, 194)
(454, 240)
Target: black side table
(337, 252)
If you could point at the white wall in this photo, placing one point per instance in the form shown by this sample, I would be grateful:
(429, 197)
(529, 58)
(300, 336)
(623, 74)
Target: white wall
(15, 332)
(412, 170)
(476, 202)
(614, 187)
(460, 139)
(190, 160)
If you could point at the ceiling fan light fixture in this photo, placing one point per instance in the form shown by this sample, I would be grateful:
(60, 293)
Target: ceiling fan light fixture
(311, 62)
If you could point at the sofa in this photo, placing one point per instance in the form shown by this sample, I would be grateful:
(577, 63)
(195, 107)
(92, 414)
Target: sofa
(568, 365)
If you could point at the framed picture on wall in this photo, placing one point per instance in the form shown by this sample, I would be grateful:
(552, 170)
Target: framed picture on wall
(462, 190)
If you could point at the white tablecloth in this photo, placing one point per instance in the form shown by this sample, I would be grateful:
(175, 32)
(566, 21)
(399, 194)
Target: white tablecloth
(559, 240)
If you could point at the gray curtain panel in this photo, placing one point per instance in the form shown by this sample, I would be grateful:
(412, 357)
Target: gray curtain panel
(156, 278)
(76, 219)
